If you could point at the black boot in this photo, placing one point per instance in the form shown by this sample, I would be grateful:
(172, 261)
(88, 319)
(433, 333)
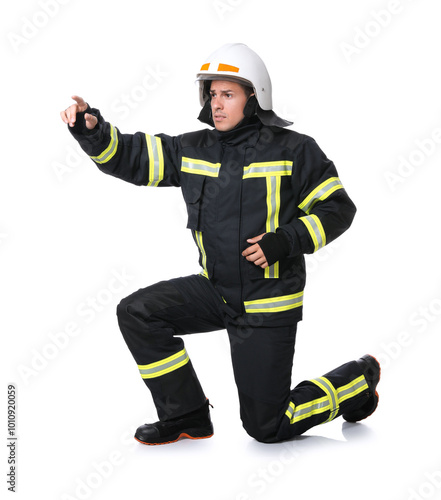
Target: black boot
(371, 371)
(194, 425)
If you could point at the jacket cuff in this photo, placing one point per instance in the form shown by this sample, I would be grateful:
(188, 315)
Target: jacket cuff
(80, 124)
(275, 247)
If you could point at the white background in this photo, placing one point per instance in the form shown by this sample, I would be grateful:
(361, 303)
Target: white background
(363, 79)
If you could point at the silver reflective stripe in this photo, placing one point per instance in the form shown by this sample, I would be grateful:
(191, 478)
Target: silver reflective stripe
(352, 389)
(273, 190)
(265, 169)
(273, 185)
(307, 410)
(332, 400)
(310, 410)
(320, 193)
(200, 167)
(330, 391)
(110, 151)
(272, 271)
(275, 304)
(156, 160)
(164, 366)
(316, 231)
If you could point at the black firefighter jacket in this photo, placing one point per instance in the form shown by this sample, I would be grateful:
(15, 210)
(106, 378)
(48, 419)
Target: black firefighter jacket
(237, 185)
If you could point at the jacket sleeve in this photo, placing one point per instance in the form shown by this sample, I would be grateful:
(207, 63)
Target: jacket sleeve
(141, 159)
(325, 209)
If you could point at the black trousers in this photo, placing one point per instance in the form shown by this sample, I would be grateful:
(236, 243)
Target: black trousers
(152, 321)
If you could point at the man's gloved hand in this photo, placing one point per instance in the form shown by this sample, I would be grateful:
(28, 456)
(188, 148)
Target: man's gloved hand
(266, 249)
(69, 115)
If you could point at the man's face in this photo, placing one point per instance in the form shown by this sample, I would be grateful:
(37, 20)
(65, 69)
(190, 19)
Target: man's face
(227, 102)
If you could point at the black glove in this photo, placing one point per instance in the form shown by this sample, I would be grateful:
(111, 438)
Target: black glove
(275, 246)
(80, 123)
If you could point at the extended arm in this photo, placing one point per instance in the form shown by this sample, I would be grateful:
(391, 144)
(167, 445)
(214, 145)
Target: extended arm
(141, 159)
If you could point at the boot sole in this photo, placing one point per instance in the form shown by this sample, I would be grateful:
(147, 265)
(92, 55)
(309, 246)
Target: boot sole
(190, 434)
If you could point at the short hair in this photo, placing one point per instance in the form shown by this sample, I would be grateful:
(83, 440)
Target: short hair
(246, 88)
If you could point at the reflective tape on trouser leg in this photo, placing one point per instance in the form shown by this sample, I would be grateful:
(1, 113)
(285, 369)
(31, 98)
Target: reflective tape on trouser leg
(164, 366)
(331, 393)
(331, 402)
(352, 389)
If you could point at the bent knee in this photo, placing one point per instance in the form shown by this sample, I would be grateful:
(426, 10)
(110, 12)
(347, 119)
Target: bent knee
(148, 301)
(262, 436)
(130, 308)
(260, 420)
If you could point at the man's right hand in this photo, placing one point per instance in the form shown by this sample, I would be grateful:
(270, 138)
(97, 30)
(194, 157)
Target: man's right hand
(69, 115)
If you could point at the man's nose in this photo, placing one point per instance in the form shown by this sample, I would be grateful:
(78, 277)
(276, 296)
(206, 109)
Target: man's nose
(216, 103)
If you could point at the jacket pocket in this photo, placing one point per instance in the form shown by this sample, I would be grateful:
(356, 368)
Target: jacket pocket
(193, 196)
(256, 272)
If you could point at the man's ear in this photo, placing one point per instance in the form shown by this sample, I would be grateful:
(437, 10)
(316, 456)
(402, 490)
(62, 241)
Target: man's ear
(250, 106)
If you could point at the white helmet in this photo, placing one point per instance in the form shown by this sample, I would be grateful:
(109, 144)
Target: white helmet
(237, 62)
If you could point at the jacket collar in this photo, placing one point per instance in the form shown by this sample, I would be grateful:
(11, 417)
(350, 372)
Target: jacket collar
(246, 132)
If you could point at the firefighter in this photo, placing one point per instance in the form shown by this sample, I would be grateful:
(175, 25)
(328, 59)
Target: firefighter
(259, 196)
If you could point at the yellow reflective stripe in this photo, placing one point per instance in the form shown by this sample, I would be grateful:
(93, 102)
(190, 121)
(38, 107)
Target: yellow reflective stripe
(274, 304)
(204, 273)
(272, 271)
(290, 411)
(164, 366)
(326, 386)
(200, 167)
(272, 171)
(110, 151)
(273, 203)
(320, 193)
(200, 243)
(316, 231)
(332, 400)
(306, 410)
(352, 389)
(156, 160)
(273, 185)
(267, 169)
